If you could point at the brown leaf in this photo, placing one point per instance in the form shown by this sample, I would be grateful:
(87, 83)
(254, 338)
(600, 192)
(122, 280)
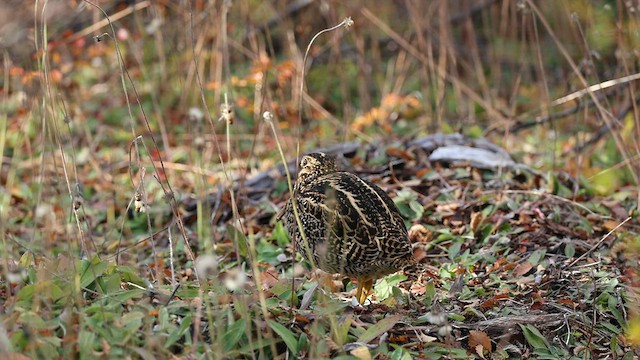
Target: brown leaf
(418, 288)
(419, 233)
(422, 172)
(476, 220)
(477, 337)
(493, 302)
(568, 302)
(488, 304)
(522, 268)
(419, 254)
(269, 278)
(399, 153)
(499, 263)
(610, 224)
(302, 319)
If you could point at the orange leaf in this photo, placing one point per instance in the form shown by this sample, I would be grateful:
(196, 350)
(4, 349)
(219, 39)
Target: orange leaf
(499, 263)
(422, 172)
(477, 337)
(301, 319)
(399, 153)
(568, 302)
(486, 305)
(610, 224)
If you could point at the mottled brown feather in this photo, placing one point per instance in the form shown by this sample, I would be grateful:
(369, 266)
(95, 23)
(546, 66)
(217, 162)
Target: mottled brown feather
(351, 225)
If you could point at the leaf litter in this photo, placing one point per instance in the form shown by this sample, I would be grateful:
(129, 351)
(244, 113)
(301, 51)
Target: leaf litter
(506, 267)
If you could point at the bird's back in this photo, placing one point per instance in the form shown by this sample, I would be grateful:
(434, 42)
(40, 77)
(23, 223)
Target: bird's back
(352, 226)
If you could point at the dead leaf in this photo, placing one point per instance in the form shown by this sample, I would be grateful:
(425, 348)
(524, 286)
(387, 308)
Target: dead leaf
(399, 153)
(476, 220)
(493, 302)
(499, 263)
(362, 353)
(418, 288)
(479, 338)
(269, 278)
(419, 233)
(522, 268)
(419, 254)
(568, 302)
(422, 172)
(426, 338)
(488, 304)
(610, 224)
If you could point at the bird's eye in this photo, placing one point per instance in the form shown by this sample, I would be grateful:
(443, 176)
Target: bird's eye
(304, 162)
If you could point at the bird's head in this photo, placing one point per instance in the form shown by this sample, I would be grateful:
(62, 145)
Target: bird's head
(316, 164)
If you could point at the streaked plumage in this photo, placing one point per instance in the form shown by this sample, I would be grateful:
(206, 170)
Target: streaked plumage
(352, 227)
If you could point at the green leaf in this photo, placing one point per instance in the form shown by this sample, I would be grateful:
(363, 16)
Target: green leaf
(569, 250)
(285, 334)
(303, 342)
(32, 320)
(132, 321)
(26, 293)
(429, 293)
(400, 353)
(341, 330)
(128, 274)
(379, 328)
(93, 269)
(384, 287)
(454, 249)
(179, 333)
(237, 236)
(86, 341)
(280, 234)
(612, 328)
(110, 283)
(128, 294)
(534, 337)
(537, 256)
(233, 334)
(46, 289)
(27, 260)
(417, 208)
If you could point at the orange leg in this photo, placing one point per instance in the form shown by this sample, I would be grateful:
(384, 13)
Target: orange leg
(364, 289)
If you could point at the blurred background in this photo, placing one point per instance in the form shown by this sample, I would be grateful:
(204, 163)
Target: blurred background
(405, 68)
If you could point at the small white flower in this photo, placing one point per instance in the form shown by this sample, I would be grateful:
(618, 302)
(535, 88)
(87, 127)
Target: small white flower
(195, 114)
(267, 116)
(206, 265)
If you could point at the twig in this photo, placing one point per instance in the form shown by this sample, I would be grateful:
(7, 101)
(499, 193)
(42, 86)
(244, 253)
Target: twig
(115, 17)
(598, 243)
(597, 87)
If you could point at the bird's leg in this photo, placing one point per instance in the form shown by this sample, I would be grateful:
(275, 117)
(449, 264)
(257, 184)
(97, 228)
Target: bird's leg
(364, 288)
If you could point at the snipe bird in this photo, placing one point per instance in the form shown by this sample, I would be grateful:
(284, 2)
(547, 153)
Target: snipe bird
(350, 225)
